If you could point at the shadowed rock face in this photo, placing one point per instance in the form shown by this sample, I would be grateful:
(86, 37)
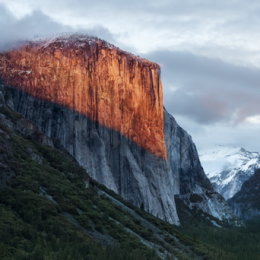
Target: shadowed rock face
(188, 177)
(119, 163)
(185, 167)
(105, 107)
(245, 202)
(109, 157)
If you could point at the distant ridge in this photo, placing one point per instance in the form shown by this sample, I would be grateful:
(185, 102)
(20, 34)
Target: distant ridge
(229, 167)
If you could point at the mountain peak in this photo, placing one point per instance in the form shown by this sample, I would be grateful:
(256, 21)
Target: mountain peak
(79, 41)
(228, 167)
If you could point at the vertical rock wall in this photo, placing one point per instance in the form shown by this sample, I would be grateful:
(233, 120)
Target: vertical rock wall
(105, 107)
(109, 157)
(185, 167)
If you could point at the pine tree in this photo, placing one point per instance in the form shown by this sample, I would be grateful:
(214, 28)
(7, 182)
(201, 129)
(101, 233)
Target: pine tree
(194, 237)
(2, 250)
(38, 253)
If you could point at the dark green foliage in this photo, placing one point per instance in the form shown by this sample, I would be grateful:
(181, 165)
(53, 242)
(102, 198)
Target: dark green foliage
(10, 114)
(239, 243)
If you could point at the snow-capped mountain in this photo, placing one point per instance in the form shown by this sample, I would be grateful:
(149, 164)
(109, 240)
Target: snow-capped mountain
(229, 167)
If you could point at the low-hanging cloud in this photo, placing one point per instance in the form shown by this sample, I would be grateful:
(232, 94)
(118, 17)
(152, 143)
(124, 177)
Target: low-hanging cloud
(35, 24)
(208, 90)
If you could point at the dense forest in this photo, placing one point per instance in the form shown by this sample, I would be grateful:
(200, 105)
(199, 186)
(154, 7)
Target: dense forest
(241, 242)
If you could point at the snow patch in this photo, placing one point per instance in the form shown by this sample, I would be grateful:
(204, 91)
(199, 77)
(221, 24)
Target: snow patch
(228, 167)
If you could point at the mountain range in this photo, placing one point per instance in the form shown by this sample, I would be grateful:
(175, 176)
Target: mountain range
(229, 167)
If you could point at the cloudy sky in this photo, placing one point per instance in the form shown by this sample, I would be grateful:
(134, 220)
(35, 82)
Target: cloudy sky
(209, 52)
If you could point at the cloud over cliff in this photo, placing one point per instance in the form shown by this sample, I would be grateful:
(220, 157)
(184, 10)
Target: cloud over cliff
(37, 24)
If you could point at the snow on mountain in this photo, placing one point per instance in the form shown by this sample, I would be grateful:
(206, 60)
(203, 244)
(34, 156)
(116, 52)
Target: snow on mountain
(228, 167)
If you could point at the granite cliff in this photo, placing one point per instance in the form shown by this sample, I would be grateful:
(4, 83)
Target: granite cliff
(105, 107)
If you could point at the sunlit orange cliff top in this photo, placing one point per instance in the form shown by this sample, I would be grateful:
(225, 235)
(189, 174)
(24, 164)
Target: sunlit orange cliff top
(107, 85)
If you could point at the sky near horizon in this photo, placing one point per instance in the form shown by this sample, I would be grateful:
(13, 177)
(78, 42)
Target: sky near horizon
(209, 53)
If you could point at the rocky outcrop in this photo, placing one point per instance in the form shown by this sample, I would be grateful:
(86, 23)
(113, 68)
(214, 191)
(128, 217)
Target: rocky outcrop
(211, 203)
(105, 107)
(190, 184)
(185, 168)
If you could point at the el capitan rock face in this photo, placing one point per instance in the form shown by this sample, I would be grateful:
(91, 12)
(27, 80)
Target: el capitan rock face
(105, 107)
(109, 86)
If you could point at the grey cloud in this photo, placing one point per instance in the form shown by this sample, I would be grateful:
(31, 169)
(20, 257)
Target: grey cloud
(151, 10)
(205, 136)
(167, 7)
(182, 25)
(13, 30)
(208, 90)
